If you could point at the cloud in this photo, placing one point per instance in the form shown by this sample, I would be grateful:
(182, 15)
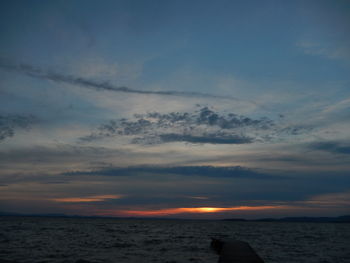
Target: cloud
(339, 106)
(55, 154)
(328, 50)
(331, 199)
(201, 126)
(332, 146)
(185, 210)
(9, 123)
(210, 138)
(36, 72)
(45, 164)
(95, 198)
(209, 171)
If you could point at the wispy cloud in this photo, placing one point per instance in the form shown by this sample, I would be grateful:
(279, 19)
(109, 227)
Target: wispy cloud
(39, 73)
(339, 106)
(202, 126)
(324, 49)
(9, 123)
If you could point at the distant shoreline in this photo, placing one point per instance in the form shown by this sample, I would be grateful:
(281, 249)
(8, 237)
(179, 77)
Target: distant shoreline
(338, 219)
(305, 219)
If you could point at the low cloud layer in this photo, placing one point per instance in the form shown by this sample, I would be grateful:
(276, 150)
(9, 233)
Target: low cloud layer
(209, 171)
(333, 147)
(202, 126)
(9, 123)
(208, 138)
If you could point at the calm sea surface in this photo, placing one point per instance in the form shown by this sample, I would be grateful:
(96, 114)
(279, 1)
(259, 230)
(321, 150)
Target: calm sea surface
(30, 239)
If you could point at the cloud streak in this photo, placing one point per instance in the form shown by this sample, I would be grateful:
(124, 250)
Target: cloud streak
(9, 123)
(87, 199)
(209, 138)
(208, 171)
(35, 72)
(333, 147)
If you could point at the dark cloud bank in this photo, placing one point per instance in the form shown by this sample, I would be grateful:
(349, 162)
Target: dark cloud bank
(36, 72)
(60, 154)
(209, 171)
(332, 146)
(201, 126)
(9, 123)
(209, 138)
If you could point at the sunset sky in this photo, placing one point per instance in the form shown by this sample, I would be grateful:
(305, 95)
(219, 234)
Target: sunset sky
(187, 109)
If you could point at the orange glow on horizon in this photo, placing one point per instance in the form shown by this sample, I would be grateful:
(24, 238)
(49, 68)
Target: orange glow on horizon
(182, 210)
(95, 198)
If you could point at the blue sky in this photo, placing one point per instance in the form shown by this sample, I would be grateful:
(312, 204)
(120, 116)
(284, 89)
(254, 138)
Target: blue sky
(159, 107)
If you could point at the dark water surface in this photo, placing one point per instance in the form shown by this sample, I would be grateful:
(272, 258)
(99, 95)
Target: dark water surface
(34, 239)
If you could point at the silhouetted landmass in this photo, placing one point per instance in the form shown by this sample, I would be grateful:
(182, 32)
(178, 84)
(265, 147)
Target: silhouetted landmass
(41, 215)
(339, 219)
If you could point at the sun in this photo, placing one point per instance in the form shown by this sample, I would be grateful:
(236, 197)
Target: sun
(207, 209)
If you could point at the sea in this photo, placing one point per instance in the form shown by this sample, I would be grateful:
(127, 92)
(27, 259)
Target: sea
(84, 240)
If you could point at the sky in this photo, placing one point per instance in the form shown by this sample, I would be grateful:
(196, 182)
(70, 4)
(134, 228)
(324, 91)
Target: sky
(186, 109)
